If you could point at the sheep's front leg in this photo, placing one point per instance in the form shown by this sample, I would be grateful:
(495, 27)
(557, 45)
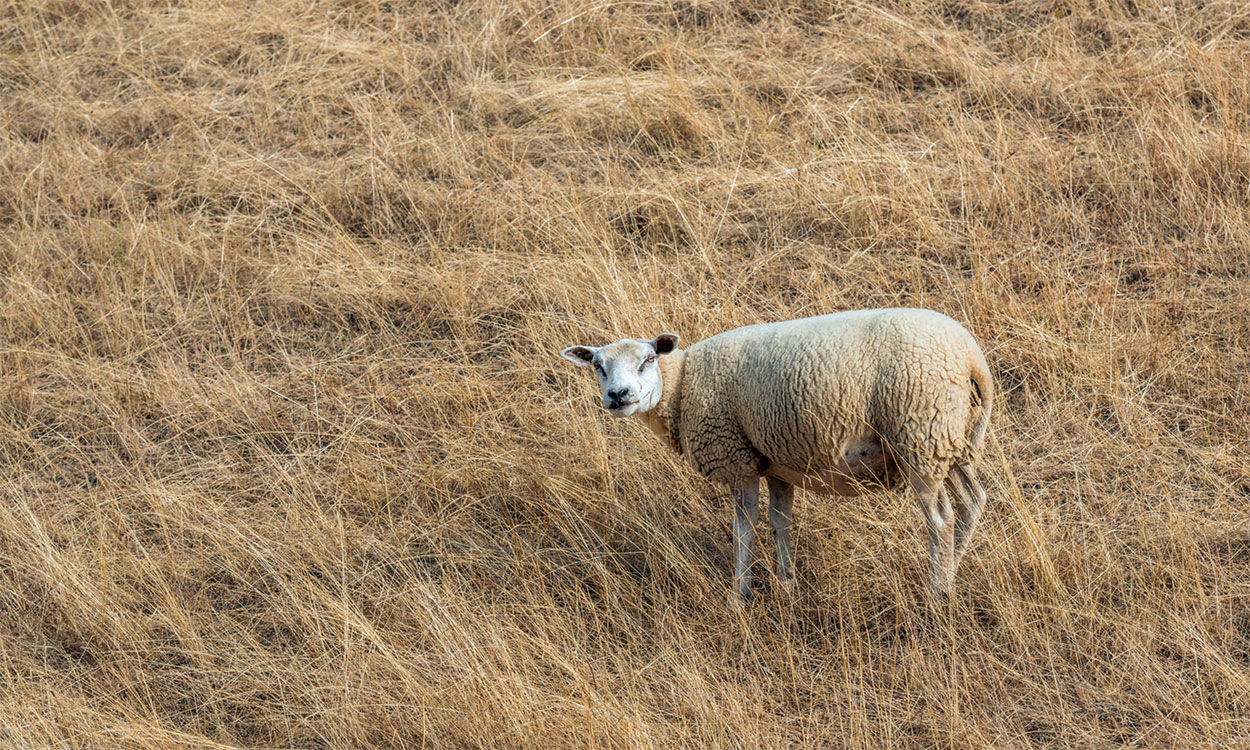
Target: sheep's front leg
(780, 513)
(746, 513)
(939, 518)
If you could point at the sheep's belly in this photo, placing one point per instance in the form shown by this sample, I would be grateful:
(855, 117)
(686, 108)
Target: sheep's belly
(864, 466)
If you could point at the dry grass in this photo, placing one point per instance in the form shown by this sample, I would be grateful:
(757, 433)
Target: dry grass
(290, 460)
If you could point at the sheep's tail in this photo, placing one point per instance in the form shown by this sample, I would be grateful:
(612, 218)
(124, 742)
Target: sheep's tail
(983, 397)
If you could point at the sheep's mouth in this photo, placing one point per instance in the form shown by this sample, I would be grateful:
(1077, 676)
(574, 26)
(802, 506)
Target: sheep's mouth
(623, 409)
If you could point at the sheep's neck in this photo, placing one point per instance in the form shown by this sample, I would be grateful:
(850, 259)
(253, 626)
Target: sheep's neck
(662, 418)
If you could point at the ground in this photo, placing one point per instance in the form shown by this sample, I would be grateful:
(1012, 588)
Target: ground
(291, 460)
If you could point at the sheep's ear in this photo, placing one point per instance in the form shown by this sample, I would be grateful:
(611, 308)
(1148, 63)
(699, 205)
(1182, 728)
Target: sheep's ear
(579, 355)
(665, 343)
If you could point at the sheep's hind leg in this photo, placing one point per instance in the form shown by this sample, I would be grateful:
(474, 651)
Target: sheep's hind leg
(970, 501)
(780, 513)
(939, 518)
(746, 513)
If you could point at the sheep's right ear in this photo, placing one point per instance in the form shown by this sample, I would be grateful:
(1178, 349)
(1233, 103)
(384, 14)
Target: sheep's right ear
(579, 355)
(665, 343)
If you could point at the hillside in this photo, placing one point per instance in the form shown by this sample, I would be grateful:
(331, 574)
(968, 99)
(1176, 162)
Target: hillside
(291, 460)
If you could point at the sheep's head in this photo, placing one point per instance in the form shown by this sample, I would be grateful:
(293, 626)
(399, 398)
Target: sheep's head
(627, 370)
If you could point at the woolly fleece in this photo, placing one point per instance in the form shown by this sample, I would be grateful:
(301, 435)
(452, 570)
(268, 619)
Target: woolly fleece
(793, 397)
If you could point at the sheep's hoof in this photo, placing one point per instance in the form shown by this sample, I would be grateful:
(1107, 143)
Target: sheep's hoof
(939, 598)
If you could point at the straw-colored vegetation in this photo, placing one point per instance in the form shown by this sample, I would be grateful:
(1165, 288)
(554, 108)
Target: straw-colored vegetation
(290, 459)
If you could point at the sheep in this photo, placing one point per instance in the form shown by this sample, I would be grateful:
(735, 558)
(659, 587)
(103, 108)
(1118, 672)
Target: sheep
(835, 404)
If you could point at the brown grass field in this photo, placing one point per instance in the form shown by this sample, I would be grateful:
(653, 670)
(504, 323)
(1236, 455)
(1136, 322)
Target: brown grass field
(290, 458)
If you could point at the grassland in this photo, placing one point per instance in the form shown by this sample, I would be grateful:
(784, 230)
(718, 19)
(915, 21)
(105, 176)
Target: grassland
(289, 458)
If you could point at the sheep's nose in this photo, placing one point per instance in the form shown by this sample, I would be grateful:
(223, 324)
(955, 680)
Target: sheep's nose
(616, 397)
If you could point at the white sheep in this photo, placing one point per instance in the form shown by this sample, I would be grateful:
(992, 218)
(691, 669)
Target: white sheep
(835, 404)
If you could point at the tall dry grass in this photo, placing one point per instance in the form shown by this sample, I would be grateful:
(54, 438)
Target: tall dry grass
(289, 459)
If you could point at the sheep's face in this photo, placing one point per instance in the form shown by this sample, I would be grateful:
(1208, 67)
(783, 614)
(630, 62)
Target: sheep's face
(628, 372)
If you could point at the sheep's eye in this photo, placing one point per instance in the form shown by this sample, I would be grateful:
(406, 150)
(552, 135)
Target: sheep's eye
(599, 368)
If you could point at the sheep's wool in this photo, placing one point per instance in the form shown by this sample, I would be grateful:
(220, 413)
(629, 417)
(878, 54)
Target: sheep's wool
(793, 398)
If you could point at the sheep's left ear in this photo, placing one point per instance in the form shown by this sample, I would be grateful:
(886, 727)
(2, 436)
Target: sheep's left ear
(665, 343)
(579, 355)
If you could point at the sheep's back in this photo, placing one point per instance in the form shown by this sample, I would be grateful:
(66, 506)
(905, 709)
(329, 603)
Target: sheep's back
(797, 392)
